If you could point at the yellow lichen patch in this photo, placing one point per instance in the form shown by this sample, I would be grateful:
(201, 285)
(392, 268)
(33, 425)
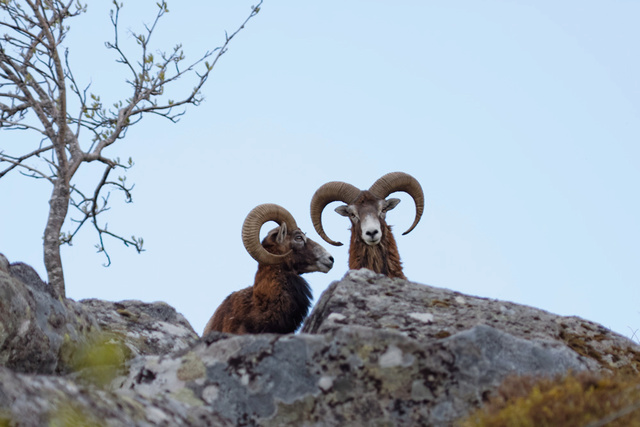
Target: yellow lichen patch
(574, 400)
(187, 396)
(192, 368)
(100, 359)
(365, 351)
(294, 414)
(67, 414)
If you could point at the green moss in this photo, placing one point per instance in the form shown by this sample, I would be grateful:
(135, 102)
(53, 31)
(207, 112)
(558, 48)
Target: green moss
(573, 400)
(69, 415)
(100, 359)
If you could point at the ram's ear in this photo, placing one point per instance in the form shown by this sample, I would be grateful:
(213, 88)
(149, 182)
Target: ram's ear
(389, 204)
(343, 210)
(282, 234)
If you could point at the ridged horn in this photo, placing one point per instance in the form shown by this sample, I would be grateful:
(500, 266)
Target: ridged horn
(251, 231)
(400, 181)
(327, 193)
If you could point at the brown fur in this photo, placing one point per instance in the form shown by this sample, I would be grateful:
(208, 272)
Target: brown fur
(382, 258)
(279, 299)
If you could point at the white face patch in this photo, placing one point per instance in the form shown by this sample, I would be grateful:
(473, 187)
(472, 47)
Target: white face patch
(325, 260)
(371, 231)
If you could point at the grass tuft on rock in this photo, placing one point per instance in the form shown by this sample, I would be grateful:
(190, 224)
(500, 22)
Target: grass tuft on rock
(582, 399)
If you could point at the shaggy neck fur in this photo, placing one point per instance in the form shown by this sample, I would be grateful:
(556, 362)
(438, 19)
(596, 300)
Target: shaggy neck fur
(382, 258)
(277, 291)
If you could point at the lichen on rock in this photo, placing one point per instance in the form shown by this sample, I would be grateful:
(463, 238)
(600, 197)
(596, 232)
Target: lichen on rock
(374, 351)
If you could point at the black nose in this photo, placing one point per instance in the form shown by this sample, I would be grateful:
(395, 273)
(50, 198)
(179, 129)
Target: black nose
(330, 258)
(372, 233)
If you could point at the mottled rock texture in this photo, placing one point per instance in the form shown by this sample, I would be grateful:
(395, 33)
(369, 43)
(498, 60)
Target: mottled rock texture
(379, 351)
(145, 328)
(374, 351)
(428, 313)
(42, 400)
(42, 334)
(35, 327)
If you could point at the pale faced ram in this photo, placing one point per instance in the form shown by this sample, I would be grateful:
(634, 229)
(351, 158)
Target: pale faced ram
(372, 243)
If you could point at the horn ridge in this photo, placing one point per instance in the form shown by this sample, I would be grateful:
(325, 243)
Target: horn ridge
(400, 181)
(330, 192)
(251, 231)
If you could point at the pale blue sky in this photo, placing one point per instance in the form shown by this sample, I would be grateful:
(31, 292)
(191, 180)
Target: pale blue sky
(519, 118)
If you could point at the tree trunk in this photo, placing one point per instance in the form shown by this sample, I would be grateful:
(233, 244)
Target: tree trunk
(58, 207)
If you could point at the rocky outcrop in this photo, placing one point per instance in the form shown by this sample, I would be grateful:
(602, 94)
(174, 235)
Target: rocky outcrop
(145, 328)
(355, 375)
(42, 334)
(41, 400)
(427, 313)
(374, 351)
(36, 327)
(379, 350)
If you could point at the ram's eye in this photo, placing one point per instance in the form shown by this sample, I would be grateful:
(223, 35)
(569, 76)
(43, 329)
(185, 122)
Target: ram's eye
(299, 238)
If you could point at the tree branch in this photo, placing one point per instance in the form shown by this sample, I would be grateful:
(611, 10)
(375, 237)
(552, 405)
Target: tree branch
(36, 80)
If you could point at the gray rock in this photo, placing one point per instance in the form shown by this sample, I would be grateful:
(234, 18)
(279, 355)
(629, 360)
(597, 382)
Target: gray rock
(40, 333)
(4, 264)
(356, 375)
(36, 327)
(374, 351)
(145, 328)
(34, 401)
(428, 313)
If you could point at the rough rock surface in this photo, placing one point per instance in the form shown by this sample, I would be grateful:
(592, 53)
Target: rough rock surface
(428, 313)
(374, 351)
(41, 400)
(145, 328)
(355, 376)
(379, 350)
(36, 327)
(42, 334)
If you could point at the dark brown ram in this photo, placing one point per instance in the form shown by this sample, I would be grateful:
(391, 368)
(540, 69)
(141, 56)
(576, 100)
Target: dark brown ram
(372, 243)
(279, 299)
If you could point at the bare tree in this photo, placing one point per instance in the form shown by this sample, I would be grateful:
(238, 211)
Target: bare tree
(38, 90)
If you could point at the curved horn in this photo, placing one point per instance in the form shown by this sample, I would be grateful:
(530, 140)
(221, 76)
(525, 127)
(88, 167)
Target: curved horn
(330, 192)
(251, 231)
(400, 181)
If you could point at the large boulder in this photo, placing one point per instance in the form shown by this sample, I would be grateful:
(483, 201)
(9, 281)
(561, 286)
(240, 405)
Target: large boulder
(427, 313)
(374, 351)
(35, 326)
(145, 328)
(379, 351)
(40, 333)
(355, 375)
(43, 400)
